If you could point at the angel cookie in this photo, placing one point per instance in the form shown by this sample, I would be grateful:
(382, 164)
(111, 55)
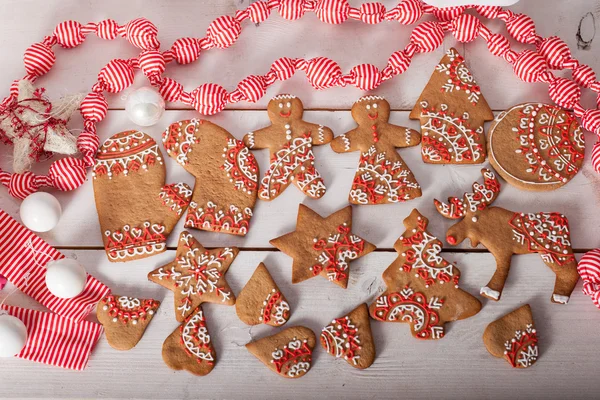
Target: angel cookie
(382, 176)
(289, 139)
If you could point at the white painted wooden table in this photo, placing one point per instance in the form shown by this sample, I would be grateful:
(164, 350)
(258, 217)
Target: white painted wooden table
(457, 366)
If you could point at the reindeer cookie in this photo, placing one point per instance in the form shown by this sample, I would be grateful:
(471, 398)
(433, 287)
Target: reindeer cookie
(136, 210)
(505, 233)
(382, 176)
(289, 139)
(422, 287)
(226, 175)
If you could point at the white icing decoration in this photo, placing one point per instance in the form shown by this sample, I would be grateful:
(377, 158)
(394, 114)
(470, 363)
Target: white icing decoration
(193, 332)
(493, 294)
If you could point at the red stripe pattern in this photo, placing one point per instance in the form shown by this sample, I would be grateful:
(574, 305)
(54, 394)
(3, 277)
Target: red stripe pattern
(20, 266)
(55, 340)
(68, 34)
(589, 270)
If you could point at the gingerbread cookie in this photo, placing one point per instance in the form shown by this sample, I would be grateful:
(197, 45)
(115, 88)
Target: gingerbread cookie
(289, 139)
(189, 347)
(350, 337)
(452, 112)
(196, 275)
(422, 287)
(514, 338)
(136, 210)
(288, 353)
(323, 246)
(536, 146)
(125, 319)
(226, 175)
(382, 176)
(261, 301)
(505, 233)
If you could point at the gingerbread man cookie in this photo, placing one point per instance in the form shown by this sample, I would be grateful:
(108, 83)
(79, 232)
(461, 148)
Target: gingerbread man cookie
(196, 275)
(382, 176)
(452, 112)
(136, 210)
(289, 139)
(422, 287)
(226, 175)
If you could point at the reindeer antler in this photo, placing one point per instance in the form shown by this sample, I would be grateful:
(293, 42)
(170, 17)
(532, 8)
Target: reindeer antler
(480, 198)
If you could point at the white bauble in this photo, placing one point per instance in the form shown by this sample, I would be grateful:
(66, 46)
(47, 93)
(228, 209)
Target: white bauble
(65, 278)
(145, 106)
(13, 335)
(40, 212)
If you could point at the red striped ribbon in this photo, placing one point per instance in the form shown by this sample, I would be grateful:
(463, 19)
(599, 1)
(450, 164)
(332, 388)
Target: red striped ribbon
(55, 340)
(24, 268)
(589, 270)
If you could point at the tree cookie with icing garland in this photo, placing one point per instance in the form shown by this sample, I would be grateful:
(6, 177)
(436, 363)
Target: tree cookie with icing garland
(422, 287)
(349, 337)
(323, 246)
(536, 146)
(505, 233)
(125, 319)
(136, 210)
(287, 353)
(261, 301)
(514, 338)
(190, 347)
(452, 112)
(226, 175)
(196, 275)
(382, 176)
(289, 139)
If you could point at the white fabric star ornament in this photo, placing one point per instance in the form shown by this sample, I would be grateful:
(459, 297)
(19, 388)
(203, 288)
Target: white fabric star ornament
(35, 126)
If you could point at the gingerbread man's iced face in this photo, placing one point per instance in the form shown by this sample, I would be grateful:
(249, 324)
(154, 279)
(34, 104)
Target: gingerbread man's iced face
(371, 109)
(284, 108)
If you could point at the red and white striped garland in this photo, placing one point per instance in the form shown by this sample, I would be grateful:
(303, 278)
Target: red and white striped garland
(209, 98)
(55, 340)
(589, 270)
(23, 256)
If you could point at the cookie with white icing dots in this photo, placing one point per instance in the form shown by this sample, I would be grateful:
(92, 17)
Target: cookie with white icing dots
(261, 301)
(382, 175)
(422, 287)
(196, 275)
(287, 353)
(289, 139)
(536, 146)
(226, 175)
(190, 347)
(349, 337)
(136, 210)
(125, 319)
(452, 112)
(514, 338)
(323, 246)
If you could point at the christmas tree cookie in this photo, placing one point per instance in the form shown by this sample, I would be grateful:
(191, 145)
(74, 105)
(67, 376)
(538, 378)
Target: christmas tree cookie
(382, 176)
(452, 112)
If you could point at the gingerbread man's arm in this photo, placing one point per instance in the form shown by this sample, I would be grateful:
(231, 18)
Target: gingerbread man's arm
(260, 139)
(401, 136)
(320, 134)
(346, 142)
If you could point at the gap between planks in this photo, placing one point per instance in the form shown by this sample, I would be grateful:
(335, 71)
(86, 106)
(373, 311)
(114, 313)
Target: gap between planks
(264, 109)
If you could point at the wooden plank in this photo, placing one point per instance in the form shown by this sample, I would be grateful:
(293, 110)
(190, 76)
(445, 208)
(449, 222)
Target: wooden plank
(379, 224)
(455, 366)
(349, 44)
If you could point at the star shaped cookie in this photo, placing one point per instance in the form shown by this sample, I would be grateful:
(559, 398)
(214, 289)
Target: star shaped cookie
(323, 246)
(196, 276)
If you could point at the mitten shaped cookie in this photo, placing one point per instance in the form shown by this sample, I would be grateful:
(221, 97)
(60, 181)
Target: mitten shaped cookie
(125, 319)
(382, 176)
(289, 139)
(225, 171)
(452, 112)
(137, 211)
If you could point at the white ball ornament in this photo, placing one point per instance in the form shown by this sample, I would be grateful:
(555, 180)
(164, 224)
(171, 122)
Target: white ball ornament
(65, 278)
(13, 335)
(40, 212)
(144, 106)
